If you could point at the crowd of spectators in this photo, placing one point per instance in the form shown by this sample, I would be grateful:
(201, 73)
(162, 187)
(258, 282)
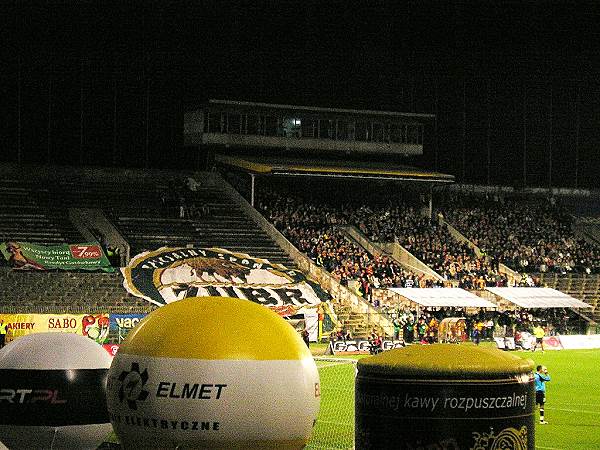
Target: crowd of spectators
(430, 241)
(523, 236)
(423, 326)
(311, 228)
(526, 236)
(310, 225)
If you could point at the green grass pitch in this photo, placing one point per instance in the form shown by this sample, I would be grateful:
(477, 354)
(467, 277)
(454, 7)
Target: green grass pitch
(572, 408)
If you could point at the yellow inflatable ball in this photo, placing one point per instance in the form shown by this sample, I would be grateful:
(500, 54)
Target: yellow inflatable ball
(213, 372)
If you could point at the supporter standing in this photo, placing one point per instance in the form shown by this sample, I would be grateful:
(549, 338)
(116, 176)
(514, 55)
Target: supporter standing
(478, 331)
(541, 377)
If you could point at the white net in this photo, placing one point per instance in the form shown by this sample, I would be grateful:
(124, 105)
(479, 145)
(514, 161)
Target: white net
(335, 424)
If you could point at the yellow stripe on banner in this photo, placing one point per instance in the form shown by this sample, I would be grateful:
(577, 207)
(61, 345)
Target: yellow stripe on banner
(215, 328)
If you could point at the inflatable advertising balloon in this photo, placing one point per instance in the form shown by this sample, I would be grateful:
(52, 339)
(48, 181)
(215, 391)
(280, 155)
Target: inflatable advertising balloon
(213, 372)
(53, 392)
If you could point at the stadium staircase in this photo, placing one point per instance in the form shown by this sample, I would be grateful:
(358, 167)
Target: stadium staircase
(589, 229)
(344, 302)
(353, 321)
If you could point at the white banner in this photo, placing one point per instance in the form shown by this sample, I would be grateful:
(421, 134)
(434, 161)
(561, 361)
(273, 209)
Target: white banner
(580, 341)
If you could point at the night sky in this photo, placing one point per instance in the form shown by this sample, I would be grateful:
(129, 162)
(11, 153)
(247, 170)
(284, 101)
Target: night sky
(515, 85)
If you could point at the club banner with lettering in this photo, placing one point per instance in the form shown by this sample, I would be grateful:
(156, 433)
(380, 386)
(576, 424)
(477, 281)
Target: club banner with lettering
(94, 326)
(170, 274)
(28, 256)
(121, 324)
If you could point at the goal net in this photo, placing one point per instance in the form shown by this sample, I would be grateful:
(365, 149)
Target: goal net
(335, 423)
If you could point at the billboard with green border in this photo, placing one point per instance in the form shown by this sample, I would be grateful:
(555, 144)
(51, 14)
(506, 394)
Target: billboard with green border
(29, 256)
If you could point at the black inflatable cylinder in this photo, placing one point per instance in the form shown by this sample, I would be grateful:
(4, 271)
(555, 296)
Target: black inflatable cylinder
(445, 396)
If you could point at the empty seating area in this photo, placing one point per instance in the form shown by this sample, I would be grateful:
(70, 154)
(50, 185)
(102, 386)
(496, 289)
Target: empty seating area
(106, 195)
(144, 209)
(583, 287)
(217, 222)
(23, 217)
(66, 292)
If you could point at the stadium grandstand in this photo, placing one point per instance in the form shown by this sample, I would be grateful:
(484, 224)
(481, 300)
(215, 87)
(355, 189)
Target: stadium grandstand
(348, 249)
(355, 228)
(388, 177)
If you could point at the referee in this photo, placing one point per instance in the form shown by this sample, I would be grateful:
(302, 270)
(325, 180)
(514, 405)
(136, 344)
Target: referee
(541, 377)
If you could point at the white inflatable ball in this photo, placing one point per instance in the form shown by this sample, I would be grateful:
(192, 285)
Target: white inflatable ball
(53, 392)
(213, 372)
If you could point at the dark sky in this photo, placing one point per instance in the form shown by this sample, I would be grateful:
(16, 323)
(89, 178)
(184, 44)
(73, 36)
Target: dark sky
(515, 85)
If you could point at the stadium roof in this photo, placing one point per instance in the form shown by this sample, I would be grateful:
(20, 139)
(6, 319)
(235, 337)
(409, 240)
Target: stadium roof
(370, 112)
(443, 297)
(533, 297)
(291, 166)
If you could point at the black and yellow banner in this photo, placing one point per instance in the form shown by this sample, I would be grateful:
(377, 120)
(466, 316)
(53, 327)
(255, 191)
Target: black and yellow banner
(170, 274)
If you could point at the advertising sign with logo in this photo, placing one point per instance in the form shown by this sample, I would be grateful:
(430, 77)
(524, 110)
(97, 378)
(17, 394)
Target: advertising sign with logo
(360, 346)
(121, 324)
(169, 274)
(94, 326)
(552, 343)
(487, 401)
(28, 256)
(185, 401)
(112, 349)
(54, 398)
(483, 416)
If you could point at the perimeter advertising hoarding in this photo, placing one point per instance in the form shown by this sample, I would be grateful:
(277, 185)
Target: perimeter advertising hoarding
(122, 324)
(580, 341)
(94, 326)
(360, 346)
(28, 256)
(169, 274)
